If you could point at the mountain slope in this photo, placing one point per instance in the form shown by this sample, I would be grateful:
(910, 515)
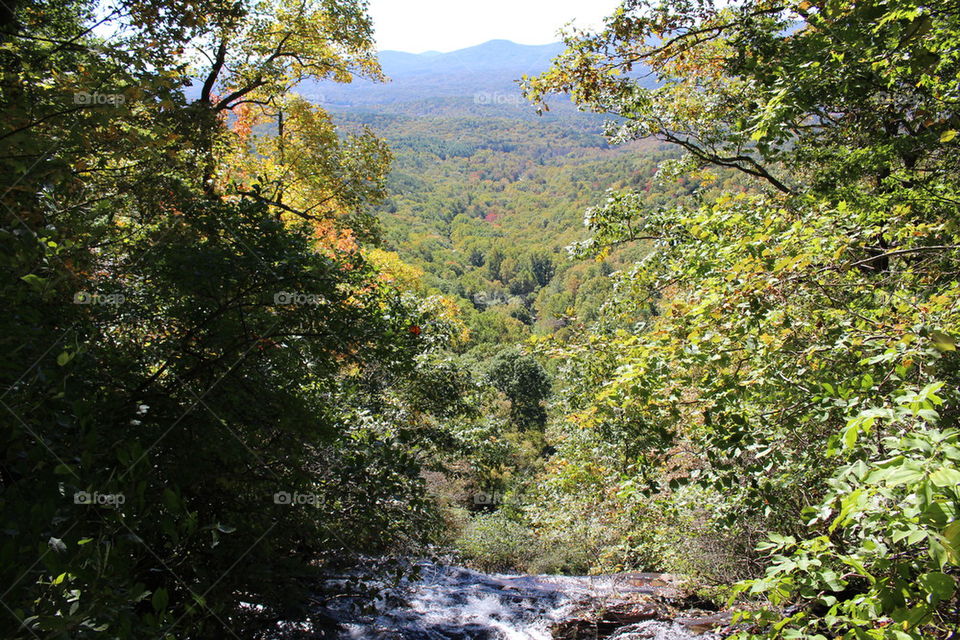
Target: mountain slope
(488, 71)
(485, 194)
(495, 55)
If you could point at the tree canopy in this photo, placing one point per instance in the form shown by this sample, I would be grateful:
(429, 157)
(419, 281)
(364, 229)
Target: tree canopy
(206, 383)
(798, 374)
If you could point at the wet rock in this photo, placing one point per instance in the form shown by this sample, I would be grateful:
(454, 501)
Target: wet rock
(440, 602)
(704, 623)
(602, 623)
(656, 630)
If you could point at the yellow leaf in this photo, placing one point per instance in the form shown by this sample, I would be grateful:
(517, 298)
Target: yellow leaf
(943, 341)
(947, 136)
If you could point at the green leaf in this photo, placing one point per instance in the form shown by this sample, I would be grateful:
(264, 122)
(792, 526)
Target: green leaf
(938, 553)
(952, 533)
(907, 473)
(780, 540)
(159, 600)
(171, 500)
(916, 536)
(832, 580)
(850, 435)
(945, 477)
(34, 280)
(938, 585)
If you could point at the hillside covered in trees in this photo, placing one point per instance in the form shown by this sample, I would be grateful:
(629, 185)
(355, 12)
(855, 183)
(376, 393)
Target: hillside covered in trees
(264, 324)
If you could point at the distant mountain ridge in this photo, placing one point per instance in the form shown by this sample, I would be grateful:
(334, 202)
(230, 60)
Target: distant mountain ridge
(487, 72)
(495, 55)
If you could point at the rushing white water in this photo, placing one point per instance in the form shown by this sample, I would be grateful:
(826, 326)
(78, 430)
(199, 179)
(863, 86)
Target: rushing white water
(452, 603)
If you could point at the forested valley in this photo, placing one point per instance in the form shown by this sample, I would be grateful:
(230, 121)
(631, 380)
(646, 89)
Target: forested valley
(284, 342)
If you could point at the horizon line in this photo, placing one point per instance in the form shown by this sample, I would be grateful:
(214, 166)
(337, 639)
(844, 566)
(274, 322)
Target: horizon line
(471, 46)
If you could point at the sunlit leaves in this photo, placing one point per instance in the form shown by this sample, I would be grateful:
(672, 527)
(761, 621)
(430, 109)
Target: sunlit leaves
(264, 49)
(802, 346)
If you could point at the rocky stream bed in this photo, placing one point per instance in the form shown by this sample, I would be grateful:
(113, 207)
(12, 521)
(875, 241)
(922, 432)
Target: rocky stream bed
(443, 602)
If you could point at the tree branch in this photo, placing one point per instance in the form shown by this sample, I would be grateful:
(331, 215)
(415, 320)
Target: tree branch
(901, 252)
(214, 71)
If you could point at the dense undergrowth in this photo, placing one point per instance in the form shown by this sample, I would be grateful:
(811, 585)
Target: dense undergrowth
(772, 394)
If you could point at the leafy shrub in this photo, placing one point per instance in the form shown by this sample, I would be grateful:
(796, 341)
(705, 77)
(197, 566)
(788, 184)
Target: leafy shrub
(495, 542)
(888, 556)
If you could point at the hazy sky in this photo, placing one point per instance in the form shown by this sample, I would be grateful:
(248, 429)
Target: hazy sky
(446, 25)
